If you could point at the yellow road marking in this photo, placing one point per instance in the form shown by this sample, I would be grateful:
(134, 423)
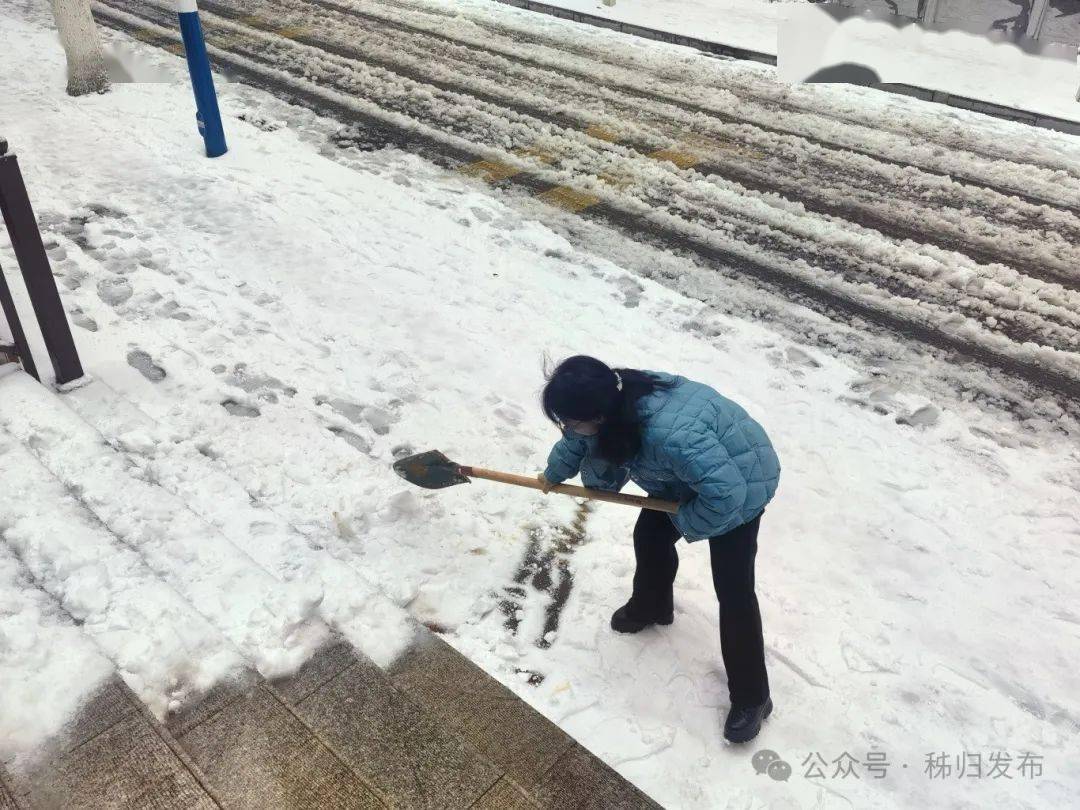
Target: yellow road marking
(568, 199)
(724, 144)
(228, 39)
(491, 170)
(159, 40)
(150, 37)
(537, 152)
(709, 142)
(603, 133)
(291, 31)
(616, 180)
(680, 157)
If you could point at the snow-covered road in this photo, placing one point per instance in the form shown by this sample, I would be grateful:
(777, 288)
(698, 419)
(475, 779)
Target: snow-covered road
(841, 199)
(270, 330)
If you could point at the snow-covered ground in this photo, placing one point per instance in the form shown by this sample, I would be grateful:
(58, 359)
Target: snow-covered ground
(953, 61)
(269, 330)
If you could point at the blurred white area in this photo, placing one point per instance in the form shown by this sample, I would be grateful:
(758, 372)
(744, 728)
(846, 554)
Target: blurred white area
(126, 64)
(1038, 77)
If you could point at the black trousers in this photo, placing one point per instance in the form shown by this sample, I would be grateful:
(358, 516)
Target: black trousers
(732, 556)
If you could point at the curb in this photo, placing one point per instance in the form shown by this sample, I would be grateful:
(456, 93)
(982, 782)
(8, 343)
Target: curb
(718, 49)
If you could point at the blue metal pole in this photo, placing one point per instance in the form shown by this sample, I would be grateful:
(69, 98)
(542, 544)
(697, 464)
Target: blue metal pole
(202, 80)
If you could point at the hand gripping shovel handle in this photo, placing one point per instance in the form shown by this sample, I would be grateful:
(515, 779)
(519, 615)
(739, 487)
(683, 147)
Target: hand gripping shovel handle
(639, 501)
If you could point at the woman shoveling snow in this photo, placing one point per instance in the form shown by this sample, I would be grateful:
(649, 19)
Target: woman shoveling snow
(679, 440)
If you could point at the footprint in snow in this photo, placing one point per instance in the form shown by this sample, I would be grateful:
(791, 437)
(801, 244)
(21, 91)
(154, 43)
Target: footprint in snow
(510, 412)
(795, 360)
(706, 327)
(357, 441)
(799, 357)
(83, 321)
(555, 253)
(171, 309)
(262, 386)
(257, 297)
(114, 291)
(873, 392)
(631, 291)
(926, 416)
(105, 212)
(55, 251)
(145, 365)
(70, 275)
(239, 409)
(378, 418)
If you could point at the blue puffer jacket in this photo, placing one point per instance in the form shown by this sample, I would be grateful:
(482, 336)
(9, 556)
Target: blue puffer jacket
(697, 447)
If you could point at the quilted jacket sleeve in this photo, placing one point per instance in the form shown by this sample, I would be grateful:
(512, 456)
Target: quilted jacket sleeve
(599, 474)
(704, 465)
(564, 460)
(575, 453)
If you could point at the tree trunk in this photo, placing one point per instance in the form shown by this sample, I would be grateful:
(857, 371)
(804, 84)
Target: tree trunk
(79, 36)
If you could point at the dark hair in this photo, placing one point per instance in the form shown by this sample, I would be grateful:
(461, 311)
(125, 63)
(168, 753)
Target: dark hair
(583, 388)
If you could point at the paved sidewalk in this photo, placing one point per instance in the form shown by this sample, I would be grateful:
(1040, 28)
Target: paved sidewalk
(432, 731)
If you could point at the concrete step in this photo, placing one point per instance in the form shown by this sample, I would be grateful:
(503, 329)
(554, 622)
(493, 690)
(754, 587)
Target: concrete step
(546, 766)
(433, 731)
(190, 555)
(7, 797)
(312, 557)
(67, 553)
(410, 757)
(256, 753)
(113, 755)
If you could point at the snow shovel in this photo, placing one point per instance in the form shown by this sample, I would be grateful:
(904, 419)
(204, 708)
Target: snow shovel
(433, 470)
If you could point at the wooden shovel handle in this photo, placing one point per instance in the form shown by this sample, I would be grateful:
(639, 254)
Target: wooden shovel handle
(569, 489)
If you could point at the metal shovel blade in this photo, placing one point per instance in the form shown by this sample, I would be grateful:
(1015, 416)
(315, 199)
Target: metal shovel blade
(431, 470)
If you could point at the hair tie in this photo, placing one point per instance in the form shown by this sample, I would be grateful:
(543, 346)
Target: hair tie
(618, 380)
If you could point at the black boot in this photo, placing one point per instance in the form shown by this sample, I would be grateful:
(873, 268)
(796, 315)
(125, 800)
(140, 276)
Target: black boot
(629, 619)
(744, 722)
